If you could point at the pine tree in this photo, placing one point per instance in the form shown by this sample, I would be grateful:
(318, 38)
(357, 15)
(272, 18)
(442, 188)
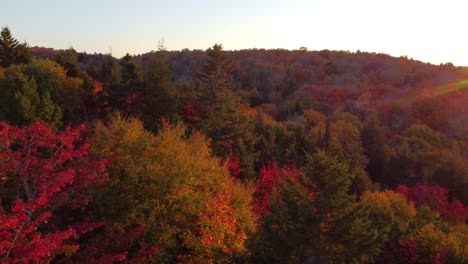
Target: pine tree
(131, 70)
(69, 61)
(158, 96)
(333, 200)
(220, 113)
(110, 72)
(11, 51)
(21, 103)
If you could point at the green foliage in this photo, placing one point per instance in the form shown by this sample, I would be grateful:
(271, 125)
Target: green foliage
(290, 232)
(422, 155)
(69, 61)
(131, 71)
(373, 142)
(304, 210)
(110, 72)
(158, 97)
(333, 183)
(282, 142)
(22, 102)
(378, 218)
(11, 51)
(342, 139)
(220, 112)
(67, 92)
(451, 240)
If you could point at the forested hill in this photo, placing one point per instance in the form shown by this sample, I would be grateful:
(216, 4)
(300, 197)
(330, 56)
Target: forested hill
(288, 82)
(251, 156)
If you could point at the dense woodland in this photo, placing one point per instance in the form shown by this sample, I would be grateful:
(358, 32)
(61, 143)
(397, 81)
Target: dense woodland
(250, 156)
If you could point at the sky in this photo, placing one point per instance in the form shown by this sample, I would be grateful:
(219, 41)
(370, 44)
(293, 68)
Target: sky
(427, 30)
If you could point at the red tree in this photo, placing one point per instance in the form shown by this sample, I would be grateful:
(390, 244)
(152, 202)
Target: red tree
(42, 173)
(268, 181)
(436, 198)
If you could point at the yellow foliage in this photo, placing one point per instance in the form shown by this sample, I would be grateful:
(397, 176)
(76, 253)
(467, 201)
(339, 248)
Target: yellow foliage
(313, 117)
(176, 187)
(432, 239)
(389, 208)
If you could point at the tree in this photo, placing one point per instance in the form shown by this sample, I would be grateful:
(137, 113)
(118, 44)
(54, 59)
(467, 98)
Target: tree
(291, 226)
(192, 209)
(417, 154)
(340, 136)
(436, 198)
(373, 142)
(217, 73)
(22, 103)
(69, 61)
(300, 210)
(42, 174)
(333, 200)
(131, 70)
(11, 51)
(221, 115)
(110, 72)
(66, 92)
(379, 217)
(158, 97)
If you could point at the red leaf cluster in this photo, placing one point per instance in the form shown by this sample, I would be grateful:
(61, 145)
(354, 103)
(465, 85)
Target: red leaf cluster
(436, 197)
(268, 181)
(42, 172)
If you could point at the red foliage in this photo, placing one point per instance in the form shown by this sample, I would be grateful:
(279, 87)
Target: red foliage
(403, 252)
(234, 168)
(111, 243)
(42, 172)
(98, 87)
(436, 197)
(268, 180)
(216, 231)
(189, 114)
(407, 252)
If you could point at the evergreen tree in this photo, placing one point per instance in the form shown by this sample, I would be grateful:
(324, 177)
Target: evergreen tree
(69, 61)
(131, 70)
(332, 201)
(373, 142)
(220, 112)
(110, 72)
(11, 51)
(21, 103)
(158, 97)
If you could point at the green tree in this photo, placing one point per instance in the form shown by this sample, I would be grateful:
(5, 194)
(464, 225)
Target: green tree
(333, 200)
(69, 61)
(340, 136)
(11, 51)
(373, 142)
(131, 70)
(110, 72)
(378, 218)
(22, 103)
(221, 114)
(289, 232)
(305, 211)
(158, 97)
(416, 156)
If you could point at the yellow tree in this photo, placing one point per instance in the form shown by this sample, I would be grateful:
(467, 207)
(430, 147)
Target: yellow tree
(192, 209)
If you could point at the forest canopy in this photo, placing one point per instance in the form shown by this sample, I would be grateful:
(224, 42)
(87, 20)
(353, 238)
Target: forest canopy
(249, 156)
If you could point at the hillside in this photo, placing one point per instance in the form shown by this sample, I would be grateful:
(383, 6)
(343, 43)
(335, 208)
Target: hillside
(250, 156)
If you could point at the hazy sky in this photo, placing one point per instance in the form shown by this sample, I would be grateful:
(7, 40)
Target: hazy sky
(427, 30)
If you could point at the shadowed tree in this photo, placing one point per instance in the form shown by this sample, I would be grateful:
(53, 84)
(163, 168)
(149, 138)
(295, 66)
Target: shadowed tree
(11, 51)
